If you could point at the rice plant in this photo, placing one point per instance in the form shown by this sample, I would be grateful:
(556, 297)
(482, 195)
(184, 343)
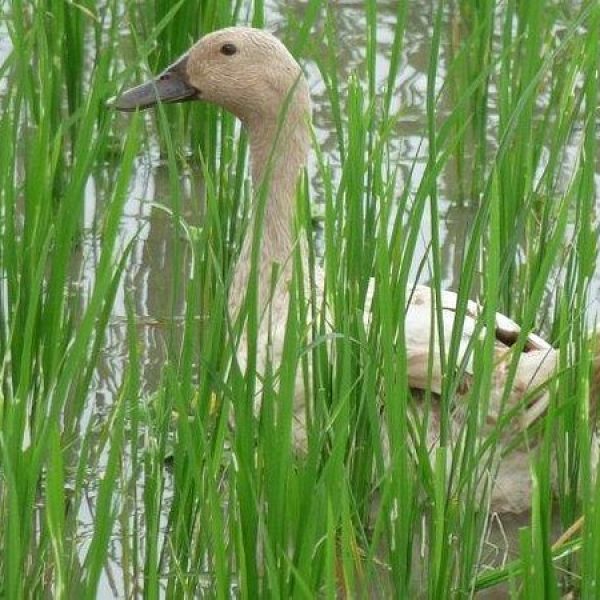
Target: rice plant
(184, 487)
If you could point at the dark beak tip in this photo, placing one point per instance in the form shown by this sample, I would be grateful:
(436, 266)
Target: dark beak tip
(117, 103)
(169, 87)
(137, 98)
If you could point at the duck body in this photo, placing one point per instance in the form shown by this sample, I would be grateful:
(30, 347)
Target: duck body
(251, 74)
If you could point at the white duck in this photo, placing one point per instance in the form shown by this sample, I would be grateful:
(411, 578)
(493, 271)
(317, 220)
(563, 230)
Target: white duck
(251, 74)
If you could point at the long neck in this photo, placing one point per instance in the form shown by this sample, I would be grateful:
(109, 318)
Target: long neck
(278, 154)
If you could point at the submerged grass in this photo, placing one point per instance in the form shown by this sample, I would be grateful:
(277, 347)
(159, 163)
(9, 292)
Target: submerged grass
(195, 507)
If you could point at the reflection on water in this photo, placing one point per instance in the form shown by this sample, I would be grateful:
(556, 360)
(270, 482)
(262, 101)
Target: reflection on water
(147, 281)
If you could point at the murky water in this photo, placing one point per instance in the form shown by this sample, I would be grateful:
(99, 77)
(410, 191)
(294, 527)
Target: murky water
(151, 265)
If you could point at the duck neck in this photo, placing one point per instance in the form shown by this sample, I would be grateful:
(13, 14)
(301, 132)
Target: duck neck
(278, 155)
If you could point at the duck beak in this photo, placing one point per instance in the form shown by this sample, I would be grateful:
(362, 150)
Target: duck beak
(171, 86)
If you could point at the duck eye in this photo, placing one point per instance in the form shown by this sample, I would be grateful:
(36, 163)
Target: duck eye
(228, 49)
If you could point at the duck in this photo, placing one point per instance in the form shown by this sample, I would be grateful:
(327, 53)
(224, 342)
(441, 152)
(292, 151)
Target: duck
(251, 74)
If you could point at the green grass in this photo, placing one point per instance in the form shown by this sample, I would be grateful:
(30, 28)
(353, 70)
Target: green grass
(183, 490)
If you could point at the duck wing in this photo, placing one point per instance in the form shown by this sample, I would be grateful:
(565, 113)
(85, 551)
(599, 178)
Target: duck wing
(537, 362)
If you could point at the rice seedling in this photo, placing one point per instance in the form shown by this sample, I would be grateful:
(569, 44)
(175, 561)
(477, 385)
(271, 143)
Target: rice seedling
(189, 489)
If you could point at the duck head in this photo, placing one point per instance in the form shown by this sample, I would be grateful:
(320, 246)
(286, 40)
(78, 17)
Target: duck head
(247, 71)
